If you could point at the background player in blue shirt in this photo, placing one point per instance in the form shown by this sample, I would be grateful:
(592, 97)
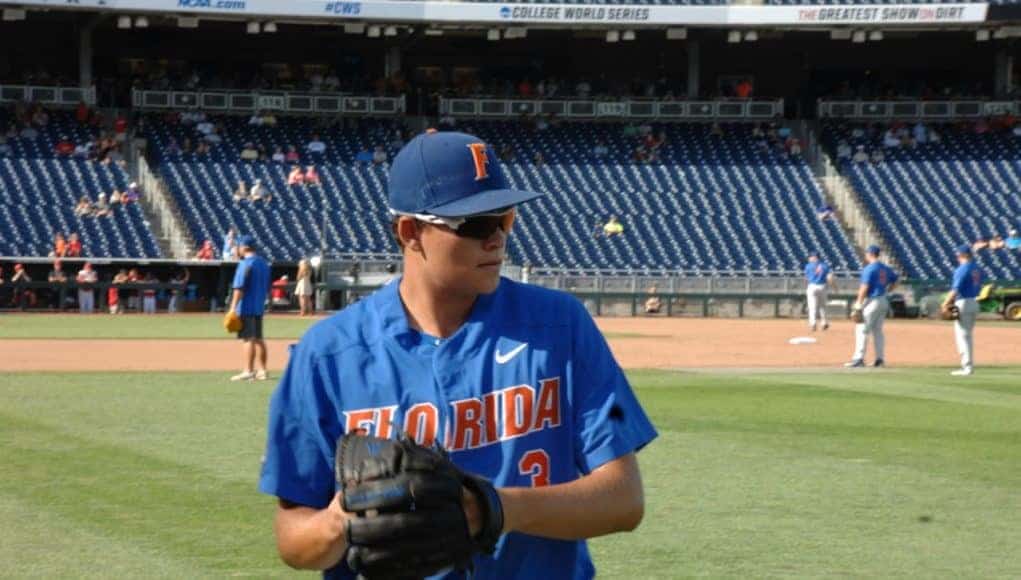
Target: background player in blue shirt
(515, 381)
(251, 284)
(818, 276)
(966, 285)
(877, 279)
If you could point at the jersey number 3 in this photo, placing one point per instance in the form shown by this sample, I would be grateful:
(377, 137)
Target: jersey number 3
(536, 464)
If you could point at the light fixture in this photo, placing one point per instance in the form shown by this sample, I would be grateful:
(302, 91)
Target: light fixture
(493, 34)
(252, 27)
(628, 35)
(734, 36)
(858, 36)
(515, 32)
(612, 36)
(433, 32)
(14, 14)
(354, 28)
(876, 35)
(676, 33)
(374, 32)
(840, 34)
(187, 22)
(390, 31)
(751, 36)
(141, 22)
(124, 22)
(1000, 33)
(982, 35)
(269, 27)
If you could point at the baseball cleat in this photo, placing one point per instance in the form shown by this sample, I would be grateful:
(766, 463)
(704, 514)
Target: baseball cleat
(966, 371)
(245, 376)
(261, 375)
(826, 326)
(879, 363)
(856, 363)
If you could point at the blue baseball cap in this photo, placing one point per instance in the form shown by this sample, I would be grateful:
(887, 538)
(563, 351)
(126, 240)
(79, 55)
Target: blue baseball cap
(873, 249)
(813, 254)
(449, 174)
(963, 249)
(246, 240)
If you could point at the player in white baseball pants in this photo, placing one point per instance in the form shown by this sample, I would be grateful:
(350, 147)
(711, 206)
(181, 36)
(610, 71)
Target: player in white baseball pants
(966, 285)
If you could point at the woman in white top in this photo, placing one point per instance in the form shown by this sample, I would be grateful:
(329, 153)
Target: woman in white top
(303, 289)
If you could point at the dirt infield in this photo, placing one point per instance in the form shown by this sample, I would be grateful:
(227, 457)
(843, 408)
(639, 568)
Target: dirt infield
(637, 343)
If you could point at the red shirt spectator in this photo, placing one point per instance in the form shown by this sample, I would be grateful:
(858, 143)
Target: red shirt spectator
(312, 176)
(743, 90)
(82, 113)
(74, 247)
(59, 246)
(120, 125)
(205, 252)
(278, 291)
(295, 177)
(525, 88)
(64, 146)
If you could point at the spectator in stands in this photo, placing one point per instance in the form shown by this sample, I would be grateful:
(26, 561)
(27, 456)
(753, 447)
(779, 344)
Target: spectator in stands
(81, 113)
(583, 89)
(86, 294)
(84, 150)
(205, 252)
(980, 243)
(653, 304)
(920, 133)
(743, 89)
(186, 148)
(379, 155)
(538, 160)
(1013, 241)
(113, 293)
(29, 133)
(292, 155)
(249, 152)
(149, 294)
(214, 137)
(613, 227)
(716, 130)
(447, 122)
(5, 149)
(600, 151)
(278, 291)
(40, 118)
(640, 155)
(825, 212)
(120, 128)
(204, 127)
(202, 149)
(241, 192)
(997, 242)
(269, 119)
(295, 177)
(102, 208)
(260, 193)
(363, 157)
(794, 147)
(56, 276)
(843, 152)
(878, 156)
(315, 146)
(229, 249)
(64, 147)
(255, 120)
(59, 246)
(131, 194)
(312, 176)
(934, 136)
(115, 198)
(860, 156)
(22, 296)
(278, 155)
(180, 281)
(84, 207)
(304, 288)
(74, 246)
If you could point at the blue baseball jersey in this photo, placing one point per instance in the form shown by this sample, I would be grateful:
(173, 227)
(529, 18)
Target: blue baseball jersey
(816, 272)
(967, 280)
(878, 277)
(525, 393)
(252, 276)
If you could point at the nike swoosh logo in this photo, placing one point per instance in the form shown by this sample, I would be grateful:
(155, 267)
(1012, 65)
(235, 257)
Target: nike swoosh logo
(503, 358)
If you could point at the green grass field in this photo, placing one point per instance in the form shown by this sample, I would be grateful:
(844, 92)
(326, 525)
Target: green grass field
(902, 473)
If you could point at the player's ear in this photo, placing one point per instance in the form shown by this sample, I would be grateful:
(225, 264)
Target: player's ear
(408, 233)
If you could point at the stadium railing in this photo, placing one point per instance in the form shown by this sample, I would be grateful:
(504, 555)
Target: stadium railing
(59, 96)
(629, 109)
(909, 109)
(299, 102)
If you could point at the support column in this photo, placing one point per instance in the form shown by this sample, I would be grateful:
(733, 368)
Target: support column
(392, 64)
(1003, 80)
(694, 68)
(85, 56)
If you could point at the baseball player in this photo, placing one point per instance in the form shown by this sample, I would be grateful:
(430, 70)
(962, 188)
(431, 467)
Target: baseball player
(251, 284)
(819, 278)
(514, 381)
(877, 279)
(966, 285)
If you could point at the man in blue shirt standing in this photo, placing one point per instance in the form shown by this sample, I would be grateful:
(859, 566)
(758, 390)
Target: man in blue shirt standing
(251, 284)
(966, 285)
(819, 277)
(877, 279)
(515, 381)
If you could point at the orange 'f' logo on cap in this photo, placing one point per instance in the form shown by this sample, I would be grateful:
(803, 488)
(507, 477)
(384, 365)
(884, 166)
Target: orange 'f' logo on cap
(479, 156)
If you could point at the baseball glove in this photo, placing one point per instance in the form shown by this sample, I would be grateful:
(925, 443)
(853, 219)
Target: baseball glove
(231, 322)
(951, 312)
(407, 500)
(857, 315)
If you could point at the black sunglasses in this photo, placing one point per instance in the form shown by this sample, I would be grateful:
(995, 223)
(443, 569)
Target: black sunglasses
(482, 227)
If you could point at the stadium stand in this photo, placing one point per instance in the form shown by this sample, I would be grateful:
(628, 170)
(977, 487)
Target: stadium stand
(711, 204)
(39, 190)
(928, 197)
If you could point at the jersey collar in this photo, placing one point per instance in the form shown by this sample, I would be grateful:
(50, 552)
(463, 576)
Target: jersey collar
(395, 320)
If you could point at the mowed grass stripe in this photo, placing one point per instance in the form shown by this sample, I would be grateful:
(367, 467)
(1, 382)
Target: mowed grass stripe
(138, 326)
(180, 512)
